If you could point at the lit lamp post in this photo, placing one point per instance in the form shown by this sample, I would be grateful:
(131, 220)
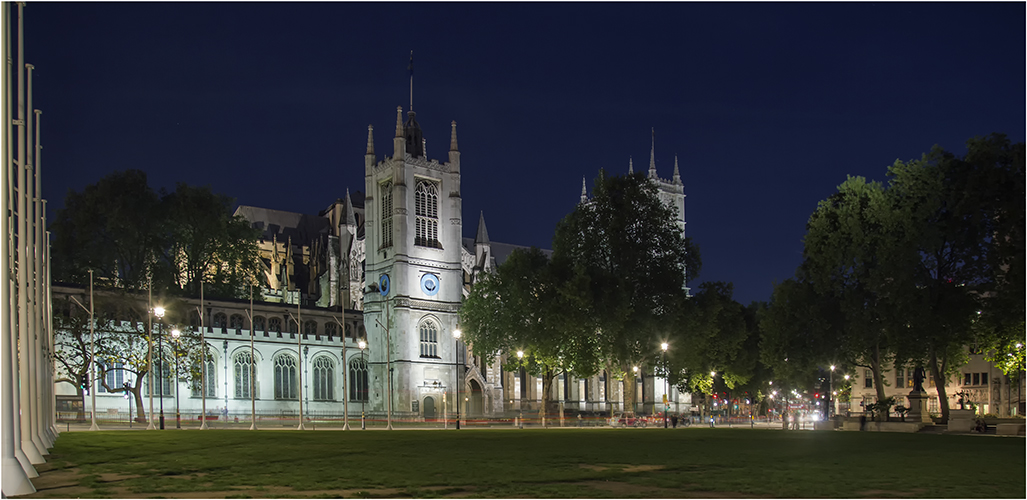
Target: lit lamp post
(362, 345)
(713, 376)
(850, 392)
(128, 398)
(159, 313)
(520, 406)
(666, 387)
(175, 334)
(456, 370)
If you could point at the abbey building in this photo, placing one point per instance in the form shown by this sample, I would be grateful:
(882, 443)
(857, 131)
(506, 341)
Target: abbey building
(388, 266)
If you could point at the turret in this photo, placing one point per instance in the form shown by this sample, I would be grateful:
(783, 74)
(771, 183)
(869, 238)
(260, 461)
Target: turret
(454, 151)
(369, 158)
(399, 142)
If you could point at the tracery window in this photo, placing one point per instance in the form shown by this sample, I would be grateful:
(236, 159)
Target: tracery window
(236, 323)
(286, 386)
(324, 376)
(358, 380)
(259, 324)
(245, 371)
(426, 208)
(429, 339)
(331, 330)
(163, 383)
(274, 325)
(211, 379)
(386, 207)
(310, 328)
(221, 322)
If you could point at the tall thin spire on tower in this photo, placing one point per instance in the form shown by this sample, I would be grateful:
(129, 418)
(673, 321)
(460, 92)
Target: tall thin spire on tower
(370, 140)
(677, 173)
(652, 157)
(631, 166)
(584, 194)
(452, 138)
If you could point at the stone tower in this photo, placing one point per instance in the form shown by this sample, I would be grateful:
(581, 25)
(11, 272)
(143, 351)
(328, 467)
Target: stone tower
(413, 274)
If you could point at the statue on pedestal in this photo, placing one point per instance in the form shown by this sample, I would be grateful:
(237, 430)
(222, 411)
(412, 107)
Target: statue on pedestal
(918, 379)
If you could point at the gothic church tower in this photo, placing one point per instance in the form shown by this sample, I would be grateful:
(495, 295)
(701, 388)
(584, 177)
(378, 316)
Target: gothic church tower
(413, 271)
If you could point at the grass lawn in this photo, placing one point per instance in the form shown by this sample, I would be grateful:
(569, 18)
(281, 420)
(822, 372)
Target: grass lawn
(563, 463)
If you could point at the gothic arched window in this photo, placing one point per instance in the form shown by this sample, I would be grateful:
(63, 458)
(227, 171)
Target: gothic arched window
(324, 377)
(386, 208)
(275, 325)
(426, 207)
(358, 380)
(259, 324)
(221, 322)
(236, 323)
(310, 328)
(286, 386)
(331, 330)
(211, 379)
(429, 339)
(245, 371)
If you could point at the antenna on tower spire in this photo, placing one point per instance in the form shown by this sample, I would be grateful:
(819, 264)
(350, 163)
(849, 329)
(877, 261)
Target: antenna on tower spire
(410, 70)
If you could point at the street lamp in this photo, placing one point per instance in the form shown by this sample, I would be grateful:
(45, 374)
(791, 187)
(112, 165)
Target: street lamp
(520, 405)
(456, 370)
(159, 313)
(830, 406)
(666, 405)
(362, 345)
(634, 399)
(175, 334)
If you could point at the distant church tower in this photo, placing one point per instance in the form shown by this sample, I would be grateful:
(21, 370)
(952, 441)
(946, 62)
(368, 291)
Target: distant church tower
(413, 270)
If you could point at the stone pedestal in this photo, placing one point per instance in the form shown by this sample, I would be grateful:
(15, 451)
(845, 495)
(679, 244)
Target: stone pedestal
(961, 420)
(918, 407)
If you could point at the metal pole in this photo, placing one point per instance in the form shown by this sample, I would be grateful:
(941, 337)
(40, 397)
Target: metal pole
(388, 369)
(345, 378)
(160, 375)
(178, 411)
(149, 342)
(203, 362)
(92, 357)
(253, 370)
(299, 356)
(456, 369)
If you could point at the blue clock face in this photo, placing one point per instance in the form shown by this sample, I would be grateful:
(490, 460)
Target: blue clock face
(430, 284)
(383, 285)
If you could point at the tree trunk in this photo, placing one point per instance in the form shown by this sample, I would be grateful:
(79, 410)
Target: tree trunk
(630, 396)
(939, 383)
(137, 392)
(547, 385)
(875, 368)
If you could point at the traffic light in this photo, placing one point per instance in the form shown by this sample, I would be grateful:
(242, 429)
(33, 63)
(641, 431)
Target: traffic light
(85, 381)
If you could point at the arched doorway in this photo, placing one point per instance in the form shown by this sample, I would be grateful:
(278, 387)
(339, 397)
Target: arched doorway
(475, 405)
(429, 408)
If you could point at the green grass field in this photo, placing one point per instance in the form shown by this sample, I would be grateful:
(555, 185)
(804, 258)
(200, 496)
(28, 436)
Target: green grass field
(561, 463)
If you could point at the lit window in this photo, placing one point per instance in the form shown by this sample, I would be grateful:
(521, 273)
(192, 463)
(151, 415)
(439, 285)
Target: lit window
(426, 205)
(358, 380)
(386, 206)
(429, 339)
(211, 379)
(285, 377)
(245, 371)
(324, 375)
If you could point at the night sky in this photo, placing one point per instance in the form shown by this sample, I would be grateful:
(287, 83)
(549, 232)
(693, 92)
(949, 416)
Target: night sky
(767, 106)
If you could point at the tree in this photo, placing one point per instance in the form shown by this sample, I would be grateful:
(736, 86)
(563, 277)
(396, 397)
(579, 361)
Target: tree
(128, 235)
(708, 335)
(963, 228)
(525, 306)
(111, 227)
(630, 257)
(849, 257)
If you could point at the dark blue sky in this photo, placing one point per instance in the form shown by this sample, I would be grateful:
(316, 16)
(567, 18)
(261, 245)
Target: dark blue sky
(768, 106)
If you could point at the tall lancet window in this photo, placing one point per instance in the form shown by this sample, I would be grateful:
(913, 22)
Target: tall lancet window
(426, 201)
(386, 197)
